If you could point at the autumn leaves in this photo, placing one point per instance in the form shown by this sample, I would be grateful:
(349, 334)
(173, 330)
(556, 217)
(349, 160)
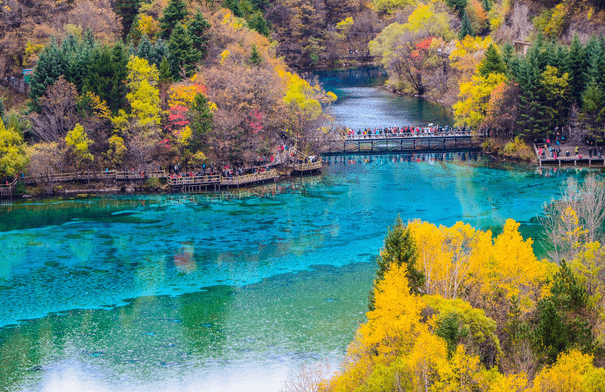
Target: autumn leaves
(454, 309)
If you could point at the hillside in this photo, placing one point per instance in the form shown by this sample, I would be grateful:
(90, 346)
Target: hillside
(87, 71)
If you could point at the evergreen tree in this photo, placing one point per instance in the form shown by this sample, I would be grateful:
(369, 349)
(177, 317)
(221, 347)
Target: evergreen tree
(165, 74)
(78, 55)
(119, 60)
(255, 56)
(560, 323)
(576, 66)
(532, 114)
(199, 30)
(99, 79)
(492, 62)
(51, 64)
(183, 55)
(508, 53)
(107, 74)
(234, 6)
(2, 110)
(487, 6)
(173, 14)
(258, 23)
(459, 6)
(128, 11)
(145, 50)
(399, 248)
(201, 122)
(466, 28)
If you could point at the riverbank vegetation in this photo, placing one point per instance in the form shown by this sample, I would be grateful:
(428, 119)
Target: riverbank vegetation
(129, 73)
(192, 86)
(459, 309)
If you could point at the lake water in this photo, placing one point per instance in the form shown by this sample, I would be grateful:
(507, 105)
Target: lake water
(229, 292)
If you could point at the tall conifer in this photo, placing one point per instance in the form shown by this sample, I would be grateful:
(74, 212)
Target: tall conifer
(173, 14)
(183, 55)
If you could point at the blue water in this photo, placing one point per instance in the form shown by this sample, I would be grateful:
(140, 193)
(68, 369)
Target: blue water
(229, 292)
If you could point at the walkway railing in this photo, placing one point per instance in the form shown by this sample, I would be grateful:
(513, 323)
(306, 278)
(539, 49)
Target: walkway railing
(100, 175)
(307, 166)
(219, 179)
(6, 190)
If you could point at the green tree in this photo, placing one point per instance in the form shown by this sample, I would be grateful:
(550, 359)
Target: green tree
(128, 11)
(255, 56)
(183, 55)
(107, 74)
(50, 66)
(492, 62)
(577, 66)
(257, 22)
(165, 74)
(199, 30)
(13, 158)
(560, 323)
(234, 6)
(201, 121)
(466, 28)
(399, 249)
(173, 14)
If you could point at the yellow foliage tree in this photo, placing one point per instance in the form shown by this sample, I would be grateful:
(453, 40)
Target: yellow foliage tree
(572, 372)
(472, 107)
(79, 142)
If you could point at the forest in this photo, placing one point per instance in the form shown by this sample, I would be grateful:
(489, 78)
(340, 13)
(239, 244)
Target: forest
(118, 84)
(460, 309)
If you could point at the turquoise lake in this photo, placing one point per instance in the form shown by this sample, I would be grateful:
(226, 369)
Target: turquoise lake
(230, 292)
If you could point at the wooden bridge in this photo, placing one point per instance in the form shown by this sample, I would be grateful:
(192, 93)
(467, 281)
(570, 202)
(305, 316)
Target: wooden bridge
(403, 143)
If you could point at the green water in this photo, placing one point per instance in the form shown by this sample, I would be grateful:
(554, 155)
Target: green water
(225, 292)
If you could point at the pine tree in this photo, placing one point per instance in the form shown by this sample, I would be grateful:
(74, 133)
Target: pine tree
(107, 74)
(561, 317)
(145, 50)
(201, 122)
(173, 14)
(399, 248)
(466, 28)
(576, 66)
(199, 30)
(183, 56)
(258, 23)
(234, 6)
(532, 114)
(255, 56)
(165, 74)
(50, 66)
(492, 62)
(128, 11)
(486, 5)
(99, 79)
(78, 55)
(119, 60)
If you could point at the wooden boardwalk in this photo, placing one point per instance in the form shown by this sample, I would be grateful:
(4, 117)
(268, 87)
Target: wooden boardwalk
(6, 190)
(201, 183)
(572, 160)
(403, 143)
(95, 176)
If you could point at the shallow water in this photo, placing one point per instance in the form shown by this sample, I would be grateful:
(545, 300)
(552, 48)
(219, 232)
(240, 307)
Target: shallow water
(224, 292)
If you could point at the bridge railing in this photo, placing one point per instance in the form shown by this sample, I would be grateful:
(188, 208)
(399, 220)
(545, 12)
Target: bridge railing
(399, 135)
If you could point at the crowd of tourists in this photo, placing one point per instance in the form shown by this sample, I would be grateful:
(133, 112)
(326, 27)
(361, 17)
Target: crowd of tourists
(406, 131)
